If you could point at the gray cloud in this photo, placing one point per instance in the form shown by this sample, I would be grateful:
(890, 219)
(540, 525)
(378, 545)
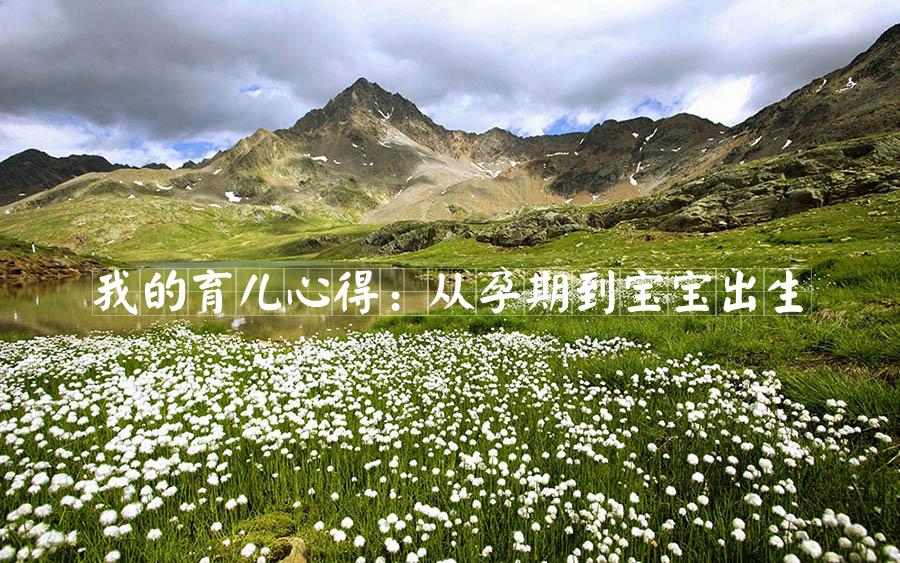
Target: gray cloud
(113, 75)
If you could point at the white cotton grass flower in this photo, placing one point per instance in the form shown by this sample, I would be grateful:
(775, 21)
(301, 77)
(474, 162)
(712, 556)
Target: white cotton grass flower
(438, 431)
(811, 548)
(131, 511)
(391, 545)
(108, 517)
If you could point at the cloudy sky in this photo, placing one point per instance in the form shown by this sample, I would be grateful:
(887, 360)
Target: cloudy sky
(170, 80)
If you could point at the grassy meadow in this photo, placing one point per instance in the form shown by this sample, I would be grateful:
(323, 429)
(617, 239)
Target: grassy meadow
(159, 228)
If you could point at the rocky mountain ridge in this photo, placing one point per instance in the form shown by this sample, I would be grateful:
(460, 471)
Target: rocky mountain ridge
(32, 171)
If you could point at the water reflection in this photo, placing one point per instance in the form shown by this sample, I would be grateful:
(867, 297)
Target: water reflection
(68, 307)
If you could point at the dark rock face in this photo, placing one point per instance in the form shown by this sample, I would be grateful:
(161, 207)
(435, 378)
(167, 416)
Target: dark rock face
(32, 171)
(740, 196)
(612, 152)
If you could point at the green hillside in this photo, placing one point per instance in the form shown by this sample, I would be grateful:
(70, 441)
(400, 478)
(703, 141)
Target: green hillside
(153, 228)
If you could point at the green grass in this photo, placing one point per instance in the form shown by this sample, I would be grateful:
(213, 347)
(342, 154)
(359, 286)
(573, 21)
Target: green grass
(155, 228)
(12, 248)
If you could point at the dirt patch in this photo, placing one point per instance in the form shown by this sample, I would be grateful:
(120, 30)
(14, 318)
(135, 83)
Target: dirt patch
(25, 270)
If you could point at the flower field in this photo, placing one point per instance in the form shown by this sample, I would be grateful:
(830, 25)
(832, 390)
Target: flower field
(169, 445)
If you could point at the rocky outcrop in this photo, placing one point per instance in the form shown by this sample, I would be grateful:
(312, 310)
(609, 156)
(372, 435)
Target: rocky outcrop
(533, 228)
(742, 195)
(409, 236)
(25, 269)
(24, 263)
(314, 244)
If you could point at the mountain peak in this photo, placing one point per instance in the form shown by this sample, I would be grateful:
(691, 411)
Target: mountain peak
(368, 96)
(362, 83)
(361, 96)
(33, 170)
(28, 154)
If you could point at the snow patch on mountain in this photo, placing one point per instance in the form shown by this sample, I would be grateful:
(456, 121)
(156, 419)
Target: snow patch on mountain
(850, 85)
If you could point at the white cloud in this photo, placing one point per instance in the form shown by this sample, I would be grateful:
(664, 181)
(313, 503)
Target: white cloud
(146, 153)
(587, 117)
(63, 137)
(481, 113)
(721, 100)
(59, 138)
